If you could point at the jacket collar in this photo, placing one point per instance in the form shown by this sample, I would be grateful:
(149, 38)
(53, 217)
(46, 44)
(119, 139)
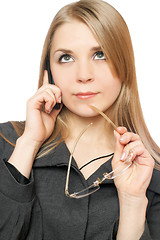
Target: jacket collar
(59, 156)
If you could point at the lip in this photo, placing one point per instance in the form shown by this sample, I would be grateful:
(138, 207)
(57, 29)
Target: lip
(85, 95)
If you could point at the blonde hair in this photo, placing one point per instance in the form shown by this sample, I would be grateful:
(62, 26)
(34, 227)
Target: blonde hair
(111, 32)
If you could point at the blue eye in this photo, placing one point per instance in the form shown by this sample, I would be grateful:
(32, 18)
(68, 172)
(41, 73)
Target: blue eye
(65, 58)
(99, 55)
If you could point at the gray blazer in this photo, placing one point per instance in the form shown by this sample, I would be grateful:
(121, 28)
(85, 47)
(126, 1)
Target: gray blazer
(37, 208)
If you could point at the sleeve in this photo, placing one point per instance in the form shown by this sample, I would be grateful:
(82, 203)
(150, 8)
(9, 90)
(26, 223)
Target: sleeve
(17, 175)
(20, 213)
(152, 224)
(114, 230)
(145, 235)
(153, 217)
(153, 209)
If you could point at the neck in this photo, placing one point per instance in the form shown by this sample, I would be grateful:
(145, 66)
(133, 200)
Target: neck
(99, 133)
(97, 141)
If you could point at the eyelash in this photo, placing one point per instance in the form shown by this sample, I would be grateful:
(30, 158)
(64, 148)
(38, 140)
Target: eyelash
(101, 52)
(68, 55)
(62, 56)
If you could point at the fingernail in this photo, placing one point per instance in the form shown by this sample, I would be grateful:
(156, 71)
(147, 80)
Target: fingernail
(123, 155)
(59, 100)
(50, 110)
(122, 138)
(130, 155)
(114, 133)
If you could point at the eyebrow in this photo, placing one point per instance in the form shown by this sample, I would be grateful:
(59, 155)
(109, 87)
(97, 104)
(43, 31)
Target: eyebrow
(64, 50)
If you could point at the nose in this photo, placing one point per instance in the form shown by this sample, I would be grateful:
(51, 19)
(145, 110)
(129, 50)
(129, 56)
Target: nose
(85, 71)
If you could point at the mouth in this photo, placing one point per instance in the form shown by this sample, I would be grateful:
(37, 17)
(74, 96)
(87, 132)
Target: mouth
(85, 95)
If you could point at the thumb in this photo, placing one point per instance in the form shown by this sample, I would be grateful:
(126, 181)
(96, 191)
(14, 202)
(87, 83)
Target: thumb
(118, 148)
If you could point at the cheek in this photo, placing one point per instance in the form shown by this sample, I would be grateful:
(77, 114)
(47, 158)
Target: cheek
(108, 77)
(114, 88)
(62, 76)
(115, 85)
(60, 79)
(111, 87)
(64, 87)
(110, 82)
(63, 82)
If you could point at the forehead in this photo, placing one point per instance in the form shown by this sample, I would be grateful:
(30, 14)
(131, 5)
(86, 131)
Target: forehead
(73, 34)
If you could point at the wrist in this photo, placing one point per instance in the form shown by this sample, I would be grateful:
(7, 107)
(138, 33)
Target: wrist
(23, 155)
(130, 201)
(132, 216)
(29, 143)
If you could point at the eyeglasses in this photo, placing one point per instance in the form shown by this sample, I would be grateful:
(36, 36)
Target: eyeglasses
(111, 175)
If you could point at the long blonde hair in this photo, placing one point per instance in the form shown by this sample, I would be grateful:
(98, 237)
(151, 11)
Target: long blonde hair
(111, 32)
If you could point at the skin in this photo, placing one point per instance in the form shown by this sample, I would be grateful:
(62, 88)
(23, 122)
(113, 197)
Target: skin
(84, 71)
(77, 55)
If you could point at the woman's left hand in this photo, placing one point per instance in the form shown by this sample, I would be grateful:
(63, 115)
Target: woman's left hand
(135, 180)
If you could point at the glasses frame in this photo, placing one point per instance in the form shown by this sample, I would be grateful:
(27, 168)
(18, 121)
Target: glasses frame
(96, 184)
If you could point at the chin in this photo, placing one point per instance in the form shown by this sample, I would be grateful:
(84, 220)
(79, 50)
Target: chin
(85, 111)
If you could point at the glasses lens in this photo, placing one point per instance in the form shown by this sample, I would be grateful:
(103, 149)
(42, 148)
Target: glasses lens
(123, 166)
(85, 192)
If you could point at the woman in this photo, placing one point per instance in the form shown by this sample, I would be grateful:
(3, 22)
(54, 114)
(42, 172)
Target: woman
(87, 65)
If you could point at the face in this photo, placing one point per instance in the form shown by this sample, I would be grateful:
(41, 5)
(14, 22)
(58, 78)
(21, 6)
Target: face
(80, 69)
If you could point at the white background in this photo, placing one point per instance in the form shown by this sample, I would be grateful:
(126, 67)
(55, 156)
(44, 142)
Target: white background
(23, 27)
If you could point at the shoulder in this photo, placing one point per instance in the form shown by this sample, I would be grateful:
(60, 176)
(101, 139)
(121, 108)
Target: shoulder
(7, 130)
(5, 126)
(8, 137)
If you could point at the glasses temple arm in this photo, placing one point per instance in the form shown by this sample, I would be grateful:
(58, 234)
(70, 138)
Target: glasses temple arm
(70, 159)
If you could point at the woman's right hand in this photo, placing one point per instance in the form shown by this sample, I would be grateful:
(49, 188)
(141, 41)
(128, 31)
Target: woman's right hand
(41, 115)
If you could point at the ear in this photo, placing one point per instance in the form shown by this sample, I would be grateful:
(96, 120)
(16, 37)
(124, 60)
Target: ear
(45, 77)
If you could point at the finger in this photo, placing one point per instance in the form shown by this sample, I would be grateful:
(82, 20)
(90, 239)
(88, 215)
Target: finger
(149, 161)
(129, 137)
(128, 148)
(57, 91)
(45, 77)
(42, 99)
(50, 101)
(139, 152)
(55, 112)
(118, 147)
(51, 89)
(49, 105)
(121, 130)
